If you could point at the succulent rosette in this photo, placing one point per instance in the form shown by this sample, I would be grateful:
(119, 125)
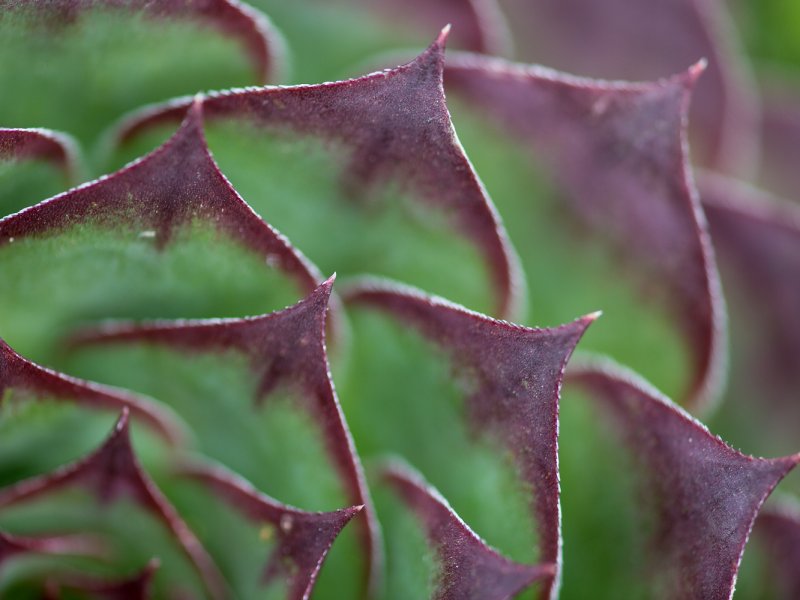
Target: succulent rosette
(356, 300)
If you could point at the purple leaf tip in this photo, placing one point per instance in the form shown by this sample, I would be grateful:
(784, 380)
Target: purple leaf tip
(303, 538)
(469, 568)
(705, 494)
(112, 471)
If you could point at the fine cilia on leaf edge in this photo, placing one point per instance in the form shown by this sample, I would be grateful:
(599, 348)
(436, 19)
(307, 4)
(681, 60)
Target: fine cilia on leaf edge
(778, 459)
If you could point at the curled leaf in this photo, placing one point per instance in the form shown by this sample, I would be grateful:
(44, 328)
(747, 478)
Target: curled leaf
(395, 126)
(619, 151)
(110, 472)
(35, 164)
(515, 375)
(705, 494)
(41, 144)
(469, 568)
(285, 349)
(303, 538)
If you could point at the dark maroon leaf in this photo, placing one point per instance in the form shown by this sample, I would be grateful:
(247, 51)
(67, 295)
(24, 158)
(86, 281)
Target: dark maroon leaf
(173, 187)
(778, 531)
(396, 124)
(469, 568)
(248, 26)
(757, 238)
(303, 538)
(110, 472)
(705, 494)
(15, 545)
(478, 25)
(619, 151)
(284, 348)
(514, 400)
(30, 380)
(40, 144)
(645, 40)
(135, 587)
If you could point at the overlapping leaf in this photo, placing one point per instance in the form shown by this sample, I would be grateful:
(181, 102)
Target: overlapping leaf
(109, 473)
(704, 494)
(390, 129)
(83, 48)
(165, 236)
(758, 240)
(30, 144)
(303, 538)
(21, 379)
(510, 377)
(258, 375)
(619, 152)
(646, 40)
(468, 567)
(33, 146)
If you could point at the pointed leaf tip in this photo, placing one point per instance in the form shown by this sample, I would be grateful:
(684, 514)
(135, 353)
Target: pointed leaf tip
(618, 151)
(441, 40)
(303, 538)
(395, 127)
(109, 472)
(517, 374)
(705, 494)
(283, 347)
(468, 567)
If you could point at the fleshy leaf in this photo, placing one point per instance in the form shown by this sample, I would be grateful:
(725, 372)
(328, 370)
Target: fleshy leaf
(283, 350)
(646, 40)
(757, 238)
(777, 530)
(131, 226)
(42, 144)
(110, 472)
(705, 494)
(469, 568)
(135, 587)
(393, 126)
(303, 538)
(514, 378)
(22, 377)
(478, 25)
(59, 28)
(34, 164)
(619, 152)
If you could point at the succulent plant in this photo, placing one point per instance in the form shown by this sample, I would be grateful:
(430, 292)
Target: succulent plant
(173, 324)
